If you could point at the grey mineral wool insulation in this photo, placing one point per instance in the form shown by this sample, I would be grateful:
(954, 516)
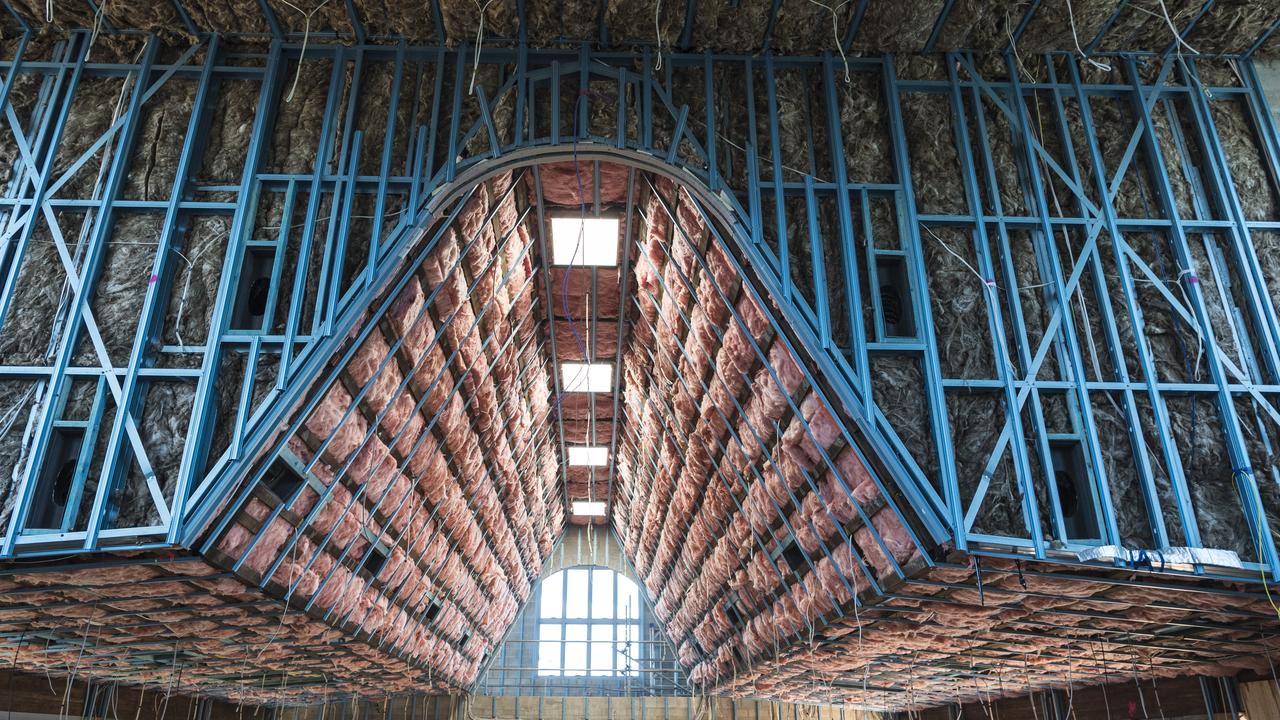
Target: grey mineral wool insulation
(300, 111)
(230, 130)
(32, 333)
(17, 399)
(21, 99)
(93, 109)
(462, 19)
(960, 302)
(978, 23)
(864, 122)
(1052, 20)
(118, 295)
(899, 394)
(1245, 159)
(389, 17)
(1230, 26)
(1137, 25)
(922, 67)
(207, 15)
(1034, 300)
(935, 163)
(1127, 501)
(1001, 151)
(803, 26)
(897, 27)
(1114, 122)
(163, 425)
(1209, 474)
(501, 111)
(301, 16)
(727, 28)
(160, 140)
(646, 22)
(372, 118)
(550, 23)
(796, 102)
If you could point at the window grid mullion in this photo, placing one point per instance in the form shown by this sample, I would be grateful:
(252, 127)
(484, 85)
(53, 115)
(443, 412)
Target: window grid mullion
(625, 633)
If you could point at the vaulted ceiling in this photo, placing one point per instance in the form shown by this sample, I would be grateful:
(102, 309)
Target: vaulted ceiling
(413, 498)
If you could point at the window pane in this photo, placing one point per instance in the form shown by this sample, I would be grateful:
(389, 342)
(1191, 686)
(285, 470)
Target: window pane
(552, 599)
(576, 593)
(628, 599)
(602, 593)
(575, 651)
(549, 650)
(602, 650)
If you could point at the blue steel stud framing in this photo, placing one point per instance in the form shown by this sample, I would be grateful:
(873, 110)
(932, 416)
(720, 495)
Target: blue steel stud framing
(663, 118)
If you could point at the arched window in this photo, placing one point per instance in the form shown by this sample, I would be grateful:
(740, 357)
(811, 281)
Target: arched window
(589, 624)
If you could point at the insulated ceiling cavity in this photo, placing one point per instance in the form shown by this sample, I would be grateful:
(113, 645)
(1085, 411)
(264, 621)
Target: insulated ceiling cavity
(782, 26)
(587, 315)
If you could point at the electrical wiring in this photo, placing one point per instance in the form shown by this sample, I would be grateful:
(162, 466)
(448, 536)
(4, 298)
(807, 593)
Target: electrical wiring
(1174, 30)
(475, 67)
(990, 287)
(835, 32)
(306, 36)
(1071, 17)
(1243, 474)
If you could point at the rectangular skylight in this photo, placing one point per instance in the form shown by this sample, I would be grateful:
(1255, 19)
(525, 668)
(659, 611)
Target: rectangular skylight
(586, 377)
(584, 241)
(593, 455)
(588, 508)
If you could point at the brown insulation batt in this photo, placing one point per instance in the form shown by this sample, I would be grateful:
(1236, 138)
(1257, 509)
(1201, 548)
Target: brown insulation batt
(235, 642)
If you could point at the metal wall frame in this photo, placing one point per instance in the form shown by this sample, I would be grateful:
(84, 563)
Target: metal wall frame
(654, 118)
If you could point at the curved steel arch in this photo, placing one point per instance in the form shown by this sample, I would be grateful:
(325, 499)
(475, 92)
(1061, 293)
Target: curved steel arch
(451, 194)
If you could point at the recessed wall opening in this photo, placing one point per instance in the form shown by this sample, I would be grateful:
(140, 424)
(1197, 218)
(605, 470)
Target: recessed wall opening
(53, 505)
(283, 479)
(375, 560)
(1075, 491)
(255, 289)
(895, 298)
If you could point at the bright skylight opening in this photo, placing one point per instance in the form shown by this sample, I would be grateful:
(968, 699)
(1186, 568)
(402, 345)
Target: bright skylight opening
(584, 241)
(588, 508)
(590, 455)
(586, 377)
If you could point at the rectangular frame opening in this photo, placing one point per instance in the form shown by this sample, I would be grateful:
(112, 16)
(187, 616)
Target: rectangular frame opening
(897, 314)
(253, 297)
(1076, 498)
(283, 480)
(55, 490)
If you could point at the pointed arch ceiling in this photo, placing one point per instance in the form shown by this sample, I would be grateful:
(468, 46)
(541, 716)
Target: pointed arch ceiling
(412, 499)
(418, 490)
